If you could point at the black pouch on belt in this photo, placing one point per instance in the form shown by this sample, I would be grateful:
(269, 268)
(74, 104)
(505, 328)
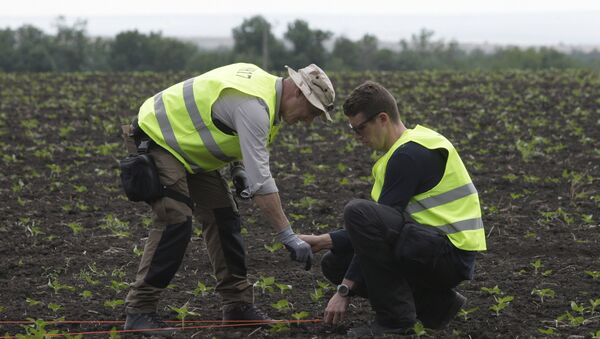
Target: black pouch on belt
(140, 178)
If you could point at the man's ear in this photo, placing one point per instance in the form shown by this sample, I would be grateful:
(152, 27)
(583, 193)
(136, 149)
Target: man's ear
(384, 117)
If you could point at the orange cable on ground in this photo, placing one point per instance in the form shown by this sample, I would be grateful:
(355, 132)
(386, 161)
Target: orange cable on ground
(234, 323)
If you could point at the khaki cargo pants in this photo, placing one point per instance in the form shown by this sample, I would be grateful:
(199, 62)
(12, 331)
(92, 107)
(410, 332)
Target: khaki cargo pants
(164, 250)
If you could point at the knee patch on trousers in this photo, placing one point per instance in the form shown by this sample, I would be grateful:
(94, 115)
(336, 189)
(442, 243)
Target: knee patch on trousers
(169, 254)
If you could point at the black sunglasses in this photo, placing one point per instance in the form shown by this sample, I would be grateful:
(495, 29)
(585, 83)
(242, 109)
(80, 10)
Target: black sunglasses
(360, 127)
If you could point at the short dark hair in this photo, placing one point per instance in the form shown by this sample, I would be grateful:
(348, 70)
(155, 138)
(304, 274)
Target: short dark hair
(371, 98)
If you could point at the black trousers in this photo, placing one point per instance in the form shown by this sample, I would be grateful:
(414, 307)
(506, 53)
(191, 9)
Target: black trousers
(408, 270)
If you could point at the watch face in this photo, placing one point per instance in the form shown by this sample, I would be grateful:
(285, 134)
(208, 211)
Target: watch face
(343, 290)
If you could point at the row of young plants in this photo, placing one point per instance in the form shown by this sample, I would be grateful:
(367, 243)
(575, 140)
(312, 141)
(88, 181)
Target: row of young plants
(527, 139)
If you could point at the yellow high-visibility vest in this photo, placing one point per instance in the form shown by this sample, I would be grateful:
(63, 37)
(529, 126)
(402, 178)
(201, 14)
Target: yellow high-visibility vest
(452, 206)
(179, 118)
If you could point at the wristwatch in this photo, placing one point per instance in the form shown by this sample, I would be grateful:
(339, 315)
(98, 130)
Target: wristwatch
(343, 290)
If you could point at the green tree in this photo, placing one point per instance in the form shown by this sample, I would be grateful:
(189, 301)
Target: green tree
(7, 46)
(33, 50)
(254, 42)
(70, 45)
(307, 44)
(204, 61)
(132, 50)
(345, 54)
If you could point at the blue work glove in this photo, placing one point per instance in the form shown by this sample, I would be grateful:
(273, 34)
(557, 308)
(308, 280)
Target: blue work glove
(299, 249)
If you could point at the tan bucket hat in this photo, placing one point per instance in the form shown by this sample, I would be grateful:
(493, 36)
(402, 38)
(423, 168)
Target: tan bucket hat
(316, 87)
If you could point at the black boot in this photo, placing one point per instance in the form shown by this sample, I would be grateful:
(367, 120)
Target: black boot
(243, 312)
(447, 312)
(150, 322)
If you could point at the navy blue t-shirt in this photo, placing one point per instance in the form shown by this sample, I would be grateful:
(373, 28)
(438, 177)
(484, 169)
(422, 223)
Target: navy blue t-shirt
(411, 170)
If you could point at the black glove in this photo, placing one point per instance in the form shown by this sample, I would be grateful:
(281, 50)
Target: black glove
(240, 180)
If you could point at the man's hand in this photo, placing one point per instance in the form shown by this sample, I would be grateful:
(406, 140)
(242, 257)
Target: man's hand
(317, 242)
(299, 250)
(240, 180)
(336, 309)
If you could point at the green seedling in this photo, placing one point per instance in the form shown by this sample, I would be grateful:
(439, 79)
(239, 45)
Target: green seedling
(75, 227)
(594, 303)
(543, 293)
(138, 251)
(274, 246)
(587, 219)
(114, 334)
(202, 290)
(57, 286)
(501, 304)
(265, 284)
(32, 302)
(308, 178)
(118, 286)
(113, 303)
(536, 266)
(465, 313)
(419, 329)
(147, 222)
(492, 291)
(594, 274)
(300, 315)
(547, 331)
(54, 307)
(281, 305)
(319, 226)
(305, 203)
(183, 312)
(573, 320)
(296, 216)
(595, 335)
(324, 285)
(36, 330)
(279, 327)
(118, 273)
(578, 308)
(283, 287)
(86, 294)
(115, 226)
(317, 294)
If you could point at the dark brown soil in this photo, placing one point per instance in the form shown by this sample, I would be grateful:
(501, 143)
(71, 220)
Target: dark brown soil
(529, 139)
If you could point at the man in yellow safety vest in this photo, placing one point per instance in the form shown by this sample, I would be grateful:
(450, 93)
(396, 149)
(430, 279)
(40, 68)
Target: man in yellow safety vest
(408, 249)
(190, 131)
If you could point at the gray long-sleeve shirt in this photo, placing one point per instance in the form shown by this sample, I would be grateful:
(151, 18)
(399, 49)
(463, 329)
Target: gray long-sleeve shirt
(248, 116)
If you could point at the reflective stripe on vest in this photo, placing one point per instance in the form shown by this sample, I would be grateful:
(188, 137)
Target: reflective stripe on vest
(179, 118)
(205, 135)
(452, 206)
(167, 130)
(440, 199)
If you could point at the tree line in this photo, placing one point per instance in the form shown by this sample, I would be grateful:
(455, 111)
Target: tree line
(29, 49)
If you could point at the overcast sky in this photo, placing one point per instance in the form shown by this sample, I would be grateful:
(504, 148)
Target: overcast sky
(507, 21)
(141, 7)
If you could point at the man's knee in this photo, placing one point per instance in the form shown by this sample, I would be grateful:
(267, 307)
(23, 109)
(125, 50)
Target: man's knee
(355, 212)
(170, 211)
